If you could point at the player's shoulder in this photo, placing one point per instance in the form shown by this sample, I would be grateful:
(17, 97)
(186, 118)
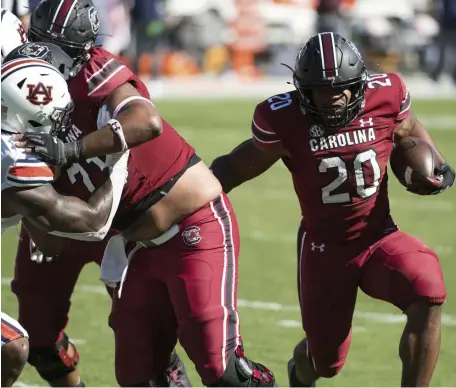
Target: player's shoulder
(271, 111)
(273, 118)
(384, 82)
(100, 75)
(386, 92)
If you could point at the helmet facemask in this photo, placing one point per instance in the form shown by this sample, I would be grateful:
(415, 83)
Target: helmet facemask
(61, 120)
(331, 116)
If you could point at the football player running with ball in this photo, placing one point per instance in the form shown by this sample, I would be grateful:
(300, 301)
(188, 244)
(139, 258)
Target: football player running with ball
(335, 134)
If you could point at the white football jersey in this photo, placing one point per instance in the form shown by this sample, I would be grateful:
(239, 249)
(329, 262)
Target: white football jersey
(20, 169)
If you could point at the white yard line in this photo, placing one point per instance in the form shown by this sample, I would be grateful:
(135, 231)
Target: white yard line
(291, 324)
(388, 318)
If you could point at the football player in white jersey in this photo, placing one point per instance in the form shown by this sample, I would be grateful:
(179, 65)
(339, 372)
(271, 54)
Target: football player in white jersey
(35, 97)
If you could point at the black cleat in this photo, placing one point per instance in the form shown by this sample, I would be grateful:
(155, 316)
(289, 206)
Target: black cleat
(176, 373)
(292, 379)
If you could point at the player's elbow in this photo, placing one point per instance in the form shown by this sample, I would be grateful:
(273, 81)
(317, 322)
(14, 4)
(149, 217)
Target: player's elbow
(154, 126)
(223, 171)
(148, 119)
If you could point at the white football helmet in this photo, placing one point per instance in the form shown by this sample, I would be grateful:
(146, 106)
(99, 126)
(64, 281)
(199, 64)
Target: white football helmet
(35, 97)
(12, 32)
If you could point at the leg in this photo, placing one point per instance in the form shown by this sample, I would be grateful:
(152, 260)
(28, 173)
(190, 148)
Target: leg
(442, 46)
(15, 350)
(405, 272)
(14, 358)
(144, 324)
(327, 286)
(202, 283)
(44, 292)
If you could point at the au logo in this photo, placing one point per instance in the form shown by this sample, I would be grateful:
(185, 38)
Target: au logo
(39, 94)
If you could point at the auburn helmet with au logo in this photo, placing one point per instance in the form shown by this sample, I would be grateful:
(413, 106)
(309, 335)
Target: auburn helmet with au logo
(331, 61)
(35, 97)
(71, 24)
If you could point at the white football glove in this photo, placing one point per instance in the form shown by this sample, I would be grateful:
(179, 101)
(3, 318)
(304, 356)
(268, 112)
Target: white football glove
(36, 255)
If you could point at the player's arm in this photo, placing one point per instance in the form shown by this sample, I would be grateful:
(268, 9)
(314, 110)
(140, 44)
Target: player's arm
(411, 126)
(245, 162)
(125, 120)
(50, 211)
(138, 121)
(252, 157)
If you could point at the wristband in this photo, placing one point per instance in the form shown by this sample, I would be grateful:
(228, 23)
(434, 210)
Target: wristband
(118, 130)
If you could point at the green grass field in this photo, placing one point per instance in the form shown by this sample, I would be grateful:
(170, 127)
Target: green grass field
(268, 215)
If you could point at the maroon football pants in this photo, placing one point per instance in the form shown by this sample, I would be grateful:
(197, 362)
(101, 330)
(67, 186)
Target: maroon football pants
(44, 290)
(186, 290)
(398, 268)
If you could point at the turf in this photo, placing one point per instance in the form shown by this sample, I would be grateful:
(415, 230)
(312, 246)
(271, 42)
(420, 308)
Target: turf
(268, 215)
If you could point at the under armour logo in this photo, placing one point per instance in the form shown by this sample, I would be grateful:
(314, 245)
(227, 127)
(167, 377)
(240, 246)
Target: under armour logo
(314, 246)
(369, 122)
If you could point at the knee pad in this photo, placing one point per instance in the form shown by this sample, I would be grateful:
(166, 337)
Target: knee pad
(241, 372)
(54, 362)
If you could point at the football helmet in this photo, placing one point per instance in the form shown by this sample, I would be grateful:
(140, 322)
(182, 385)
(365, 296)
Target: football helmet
(71, 24)
(12, 33)
(35, 97)
(48, 52)
(329, 60)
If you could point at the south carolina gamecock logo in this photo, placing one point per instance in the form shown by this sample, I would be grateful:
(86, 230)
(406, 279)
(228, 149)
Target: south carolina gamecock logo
(94, 20)
(191, 235)
(39, 94)
(34, 50)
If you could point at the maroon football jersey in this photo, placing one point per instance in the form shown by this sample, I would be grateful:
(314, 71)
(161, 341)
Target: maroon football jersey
(340, 177)
(98, 78)
(149, 166)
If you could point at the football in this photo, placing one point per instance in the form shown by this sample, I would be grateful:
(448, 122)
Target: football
(412, 161)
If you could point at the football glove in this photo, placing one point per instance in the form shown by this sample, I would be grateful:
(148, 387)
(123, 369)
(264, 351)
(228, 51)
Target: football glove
(53, 150)
(442, 180)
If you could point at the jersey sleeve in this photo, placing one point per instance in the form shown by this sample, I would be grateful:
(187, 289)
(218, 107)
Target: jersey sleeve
(404, 99)
(104, 73)
(263, 131)
(30, 172)
(20, 169)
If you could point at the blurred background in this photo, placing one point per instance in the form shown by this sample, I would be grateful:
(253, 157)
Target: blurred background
(248, 39)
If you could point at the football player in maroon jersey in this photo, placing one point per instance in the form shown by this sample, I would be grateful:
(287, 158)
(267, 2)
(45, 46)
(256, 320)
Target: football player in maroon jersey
(181, 281)
(335, 133)
(44, 293)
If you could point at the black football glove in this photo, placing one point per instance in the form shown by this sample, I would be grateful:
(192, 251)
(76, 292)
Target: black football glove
(447, 173)
(442, 180)
(52, 150)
